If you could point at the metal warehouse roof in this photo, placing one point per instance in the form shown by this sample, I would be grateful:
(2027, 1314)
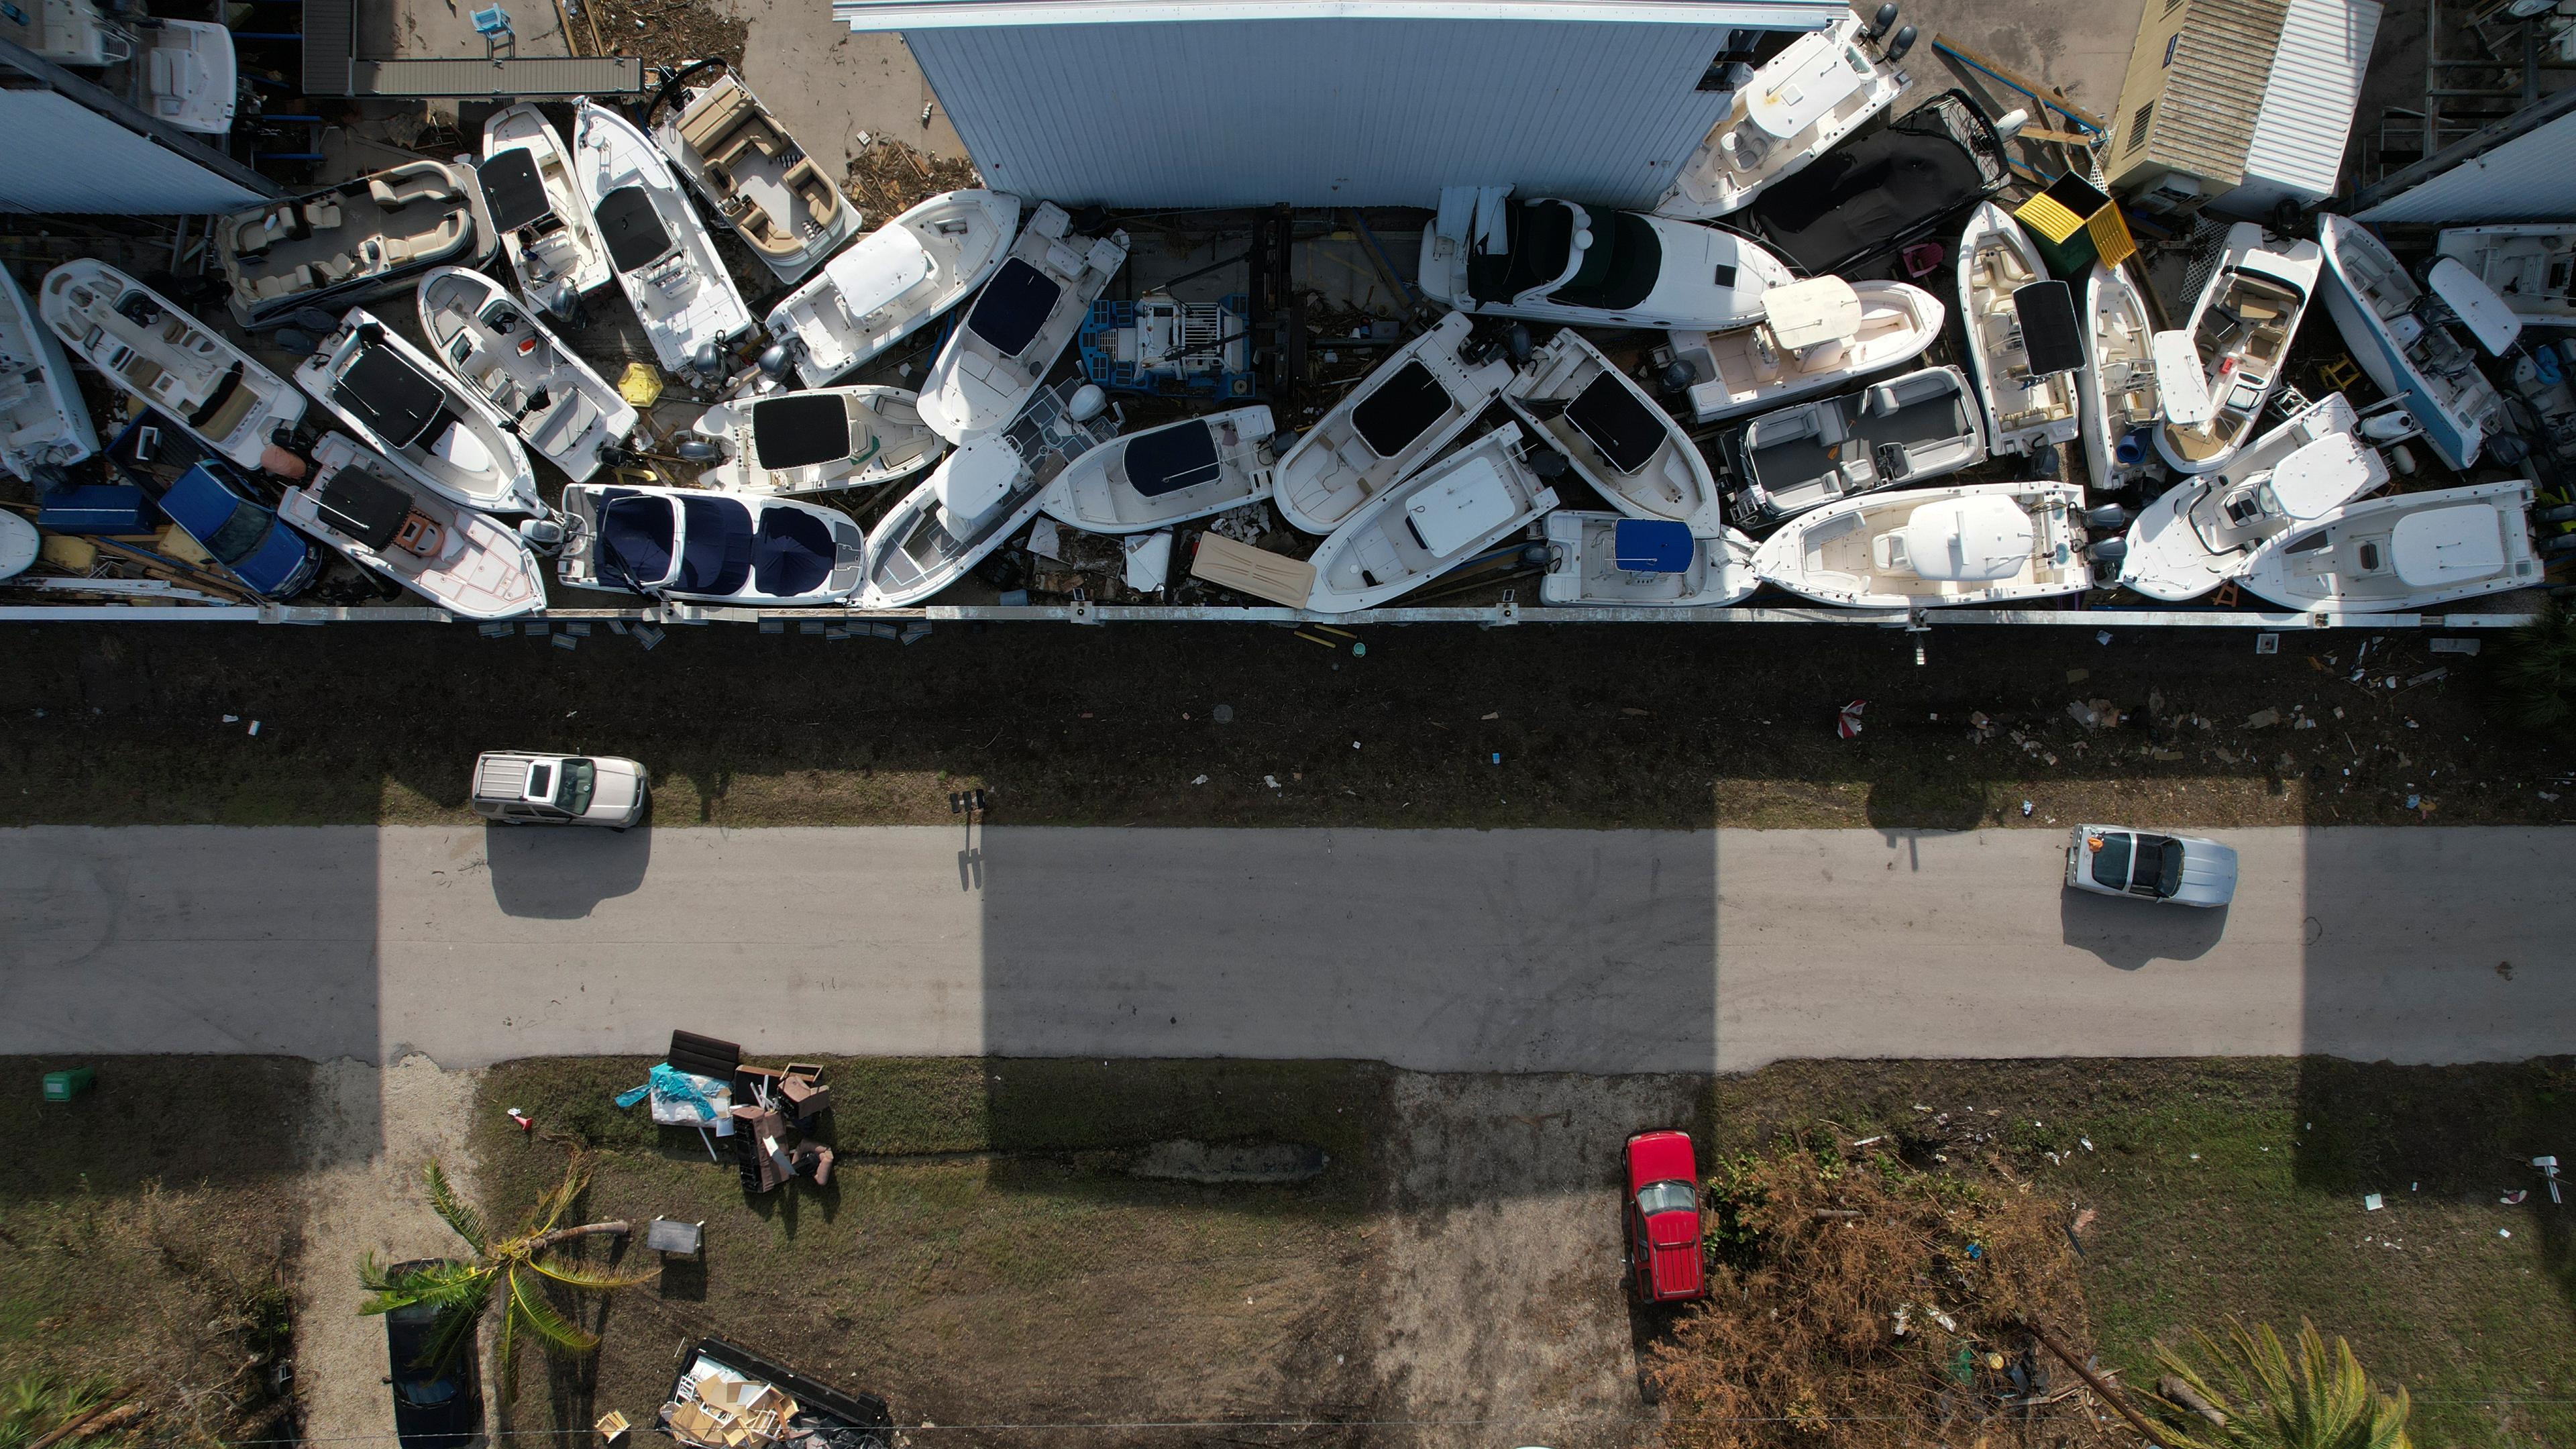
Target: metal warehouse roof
(947, 14)
(2316, 83)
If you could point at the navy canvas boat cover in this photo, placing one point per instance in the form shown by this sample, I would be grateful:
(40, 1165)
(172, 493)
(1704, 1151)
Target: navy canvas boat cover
(1171, 459)
(1014, 306)
(513, 190)
(1651, 545)
(715, 546)
(1625, 430)
(394, 399)
(800, 430)
(637, 532)
(794, 553)
(632, 228)
(2050, 335)
(1401, 410)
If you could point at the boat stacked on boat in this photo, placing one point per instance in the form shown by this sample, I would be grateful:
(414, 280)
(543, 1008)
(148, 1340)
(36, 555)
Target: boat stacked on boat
(1792, 109)
(442, 434)
(2206, 528)
(168, 360)
(1429, 523)
(1633, 453)
(2409, 339)
(1400, 416)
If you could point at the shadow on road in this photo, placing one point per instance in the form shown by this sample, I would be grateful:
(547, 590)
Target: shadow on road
(2130, 934)
(562, 875)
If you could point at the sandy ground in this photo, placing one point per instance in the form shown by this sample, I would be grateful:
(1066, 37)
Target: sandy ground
(370, 1132)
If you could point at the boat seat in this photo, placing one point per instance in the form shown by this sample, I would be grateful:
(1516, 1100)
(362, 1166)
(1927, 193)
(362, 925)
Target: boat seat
(322, 215)
(297, 278)
(814, 189)
(419, 535)
(563, 423)
(338, 267)
(428, 186)
(142, 373)
(1889, 398)
(1887, 551)
(255, 233)
(228, 417)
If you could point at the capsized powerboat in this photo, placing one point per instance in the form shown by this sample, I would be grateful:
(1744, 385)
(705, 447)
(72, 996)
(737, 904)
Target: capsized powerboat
(2403, 552)
(439, 432)
(2024, 343)
(1632, 452)
(1972, 543)
(2402, 335)
(1814, 336)
(1608, 559)
(661, 254)
(1883, 189)
(1793, 108)
(466, 562)
(1397, 419)
(169, 360)
(708, 548)
(189, 74)
(1431, 522)
(2116, 390)
(1171, 474)
(982, 493)
(538, 387)
(896, 278)
(44, 424)
(2532, 267)
(817, 441)
(352, 241)
(1020, 324)
(2200, 532)
(751, 171)
(1906, 430)
(1551, 260)
(545, 225)
(2240, 330)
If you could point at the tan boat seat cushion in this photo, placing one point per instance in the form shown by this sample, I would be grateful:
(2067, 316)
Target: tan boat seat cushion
(814, 189)
(230, 415)
(294, 279)
(143, 372)
(258, 230)
(322, 215)
(338, 267)
(394, 196)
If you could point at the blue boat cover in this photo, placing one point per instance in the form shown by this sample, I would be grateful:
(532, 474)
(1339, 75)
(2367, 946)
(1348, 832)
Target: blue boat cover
(1014, 306)
(636, 532)
(715, 546)
(794, 553)
(1651, 546)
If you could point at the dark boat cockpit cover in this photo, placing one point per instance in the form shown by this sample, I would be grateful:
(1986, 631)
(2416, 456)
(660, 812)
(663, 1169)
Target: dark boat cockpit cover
(2050, 335)
(636, 534)
(800, 430)
(1401, 411)
(513, 190)
(1651, 545)
(363, 506)
(632, 228)
(1874, 194)
(1014, 306)
(793, 554)
(1625, 430)
(396, 400)
(715, 548)
(1172, 459)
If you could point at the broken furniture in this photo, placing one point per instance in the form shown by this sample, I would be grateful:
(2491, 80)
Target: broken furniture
(673, 1237)
(721, 1384)
(802, 1087)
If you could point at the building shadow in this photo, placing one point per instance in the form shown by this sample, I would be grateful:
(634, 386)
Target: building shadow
(563, 874)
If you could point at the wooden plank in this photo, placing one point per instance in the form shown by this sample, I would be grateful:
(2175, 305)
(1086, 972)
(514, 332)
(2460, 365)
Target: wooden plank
(1248, 570)
(2049, 98)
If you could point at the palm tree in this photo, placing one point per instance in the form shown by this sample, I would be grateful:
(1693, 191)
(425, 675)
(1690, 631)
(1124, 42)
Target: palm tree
(2264, 1401)
(517, 1267)
(2535, 671)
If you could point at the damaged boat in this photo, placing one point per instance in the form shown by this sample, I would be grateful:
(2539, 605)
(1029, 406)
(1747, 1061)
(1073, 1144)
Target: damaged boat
(1905, 430)
(546, 228)
(2203, 530)
(1398, 418)
(1793, 108)
(2532, 267)
(903, 274)
(1551, 260)
(168, 360)
(981, 494)
(661, 254)
(1171, 474)
(1608, 559)
(2240, 330)
(1632, 452)
(352, 241)
(1431, 522)
(2402, 335)
(463, 560)
(817, 441)
(1973, 543)
(439, 432)
(2024, 345)
(708, 548)
(1021, 323)
(44, 424)
(750, 170)
(539, 388)
(1814, 336)
(2405, 552)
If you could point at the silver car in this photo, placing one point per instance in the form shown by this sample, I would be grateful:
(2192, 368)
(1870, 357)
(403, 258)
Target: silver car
(521, 787)
(2181, 870)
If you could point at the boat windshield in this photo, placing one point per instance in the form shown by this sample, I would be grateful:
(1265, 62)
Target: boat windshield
(1666, 1197)
(1537, 239)
(573, 789)
(1619, 268)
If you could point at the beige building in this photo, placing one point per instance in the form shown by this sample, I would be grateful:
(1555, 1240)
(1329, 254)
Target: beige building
(2238, 105)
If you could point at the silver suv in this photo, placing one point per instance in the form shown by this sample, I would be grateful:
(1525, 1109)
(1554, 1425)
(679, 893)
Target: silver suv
(518, 787)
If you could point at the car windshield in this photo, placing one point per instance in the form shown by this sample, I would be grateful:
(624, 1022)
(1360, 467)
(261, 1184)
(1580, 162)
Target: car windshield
(2159, 864)
(572, 792)
(2111, 859)
(1666, 1197)
(240, 536)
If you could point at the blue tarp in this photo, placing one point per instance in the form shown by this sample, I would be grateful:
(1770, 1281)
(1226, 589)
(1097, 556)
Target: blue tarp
(1651, 546)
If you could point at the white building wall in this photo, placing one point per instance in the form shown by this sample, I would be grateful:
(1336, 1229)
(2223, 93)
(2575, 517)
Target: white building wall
(2297, 148)
(2529, 178)
(64, 157)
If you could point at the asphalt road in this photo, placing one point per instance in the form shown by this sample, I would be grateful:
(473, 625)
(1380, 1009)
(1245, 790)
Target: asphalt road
(1451, 950)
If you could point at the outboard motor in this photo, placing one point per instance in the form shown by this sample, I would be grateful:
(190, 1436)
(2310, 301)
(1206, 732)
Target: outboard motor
(543, 534)
(1518, 344)
(2044, 464)
(2106, 518)
(1676, 378)
(706, 361)
(1896, 48)
(1282, 440)
(2507, 450)
(2553, 547)
(1879, 23)
(2009, 124)
(2109, 550)
(695, 449)
(1548, 465)
(775, 359)
(1086, 403)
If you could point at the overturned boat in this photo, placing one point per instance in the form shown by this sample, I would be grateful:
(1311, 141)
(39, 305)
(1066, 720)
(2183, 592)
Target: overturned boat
(2203, 530)
(1018, 327)
(663, 260)
(2404, 552)
(546, 228)
(2024, 345)
(1171, 474)
(981, 494)
(1793, 108)
(2240, 330)
(1431, 522)
(44, 424)
(751, 171)
(439, 432)
(352, 241)
(1550, 260)
(708, 548)
(1607, 559)
(1814, 336)
(463, 560)
(538, 387)
(2117, 391)
(2532, 267)
(1397, 419)
(1973, 543)
(1906, 430)
(2402, 335)
(817, 441)
(1632, 452)
(168, 360)
(901, 275)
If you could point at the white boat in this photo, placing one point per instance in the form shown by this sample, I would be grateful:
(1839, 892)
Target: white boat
(1430, 523)
(1550, 260)
(182, 368)
(2199, 533)
(2024, 348)
(43, 421)
(466, 562)
(896, 278)
(2116, 392)
(1397, 419)
(352, 241)
(439, 432)
(1609, 559)
(754, 174)
(74, 32)
(708, 548)
(1798, 105)
(2402, 336)
(2532, 267)
(1973, 543)
(817, 441)
(1814, 336)
(2404, 552)
(189, 74)
(1632, 452)
(545, 225)
(663, 260)
(981, 494)
(538, 387)
(1171, 474)
(1020, 324)
(1902, 432)
(2240, 329)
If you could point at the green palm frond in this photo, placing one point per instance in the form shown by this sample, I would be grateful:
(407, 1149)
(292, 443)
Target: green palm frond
(555, 1204)
(451, 1338)
(505, 1358)
(2323, 1400)
(528, 1304)
(451, 1286)
(454, 1210)
(574, 1276)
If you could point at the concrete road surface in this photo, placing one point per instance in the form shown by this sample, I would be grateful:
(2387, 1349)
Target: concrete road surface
(1447, 950)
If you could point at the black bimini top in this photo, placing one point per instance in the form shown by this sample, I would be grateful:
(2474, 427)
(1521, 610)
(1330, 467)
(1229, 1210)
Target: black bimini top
(800, 431)
(1171, 459)
(392, 398)
(363, 506)
(2049, 332)
(632, 228)
(1013, 307)
(1401, 411)
(1625, 430)
(513, 190)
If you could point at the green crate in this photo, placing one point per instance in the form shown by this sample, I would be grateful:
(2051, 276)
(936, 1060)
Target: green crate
(64, 1085)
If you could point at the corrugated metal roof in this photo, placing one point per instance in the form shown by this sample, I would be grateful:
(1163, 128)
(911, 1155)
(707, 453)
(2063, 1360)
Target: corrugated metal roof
(529, 77)
(119, 172)
(2308, 105)
(2529, 178)
(2222, 58)
(936, 14)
